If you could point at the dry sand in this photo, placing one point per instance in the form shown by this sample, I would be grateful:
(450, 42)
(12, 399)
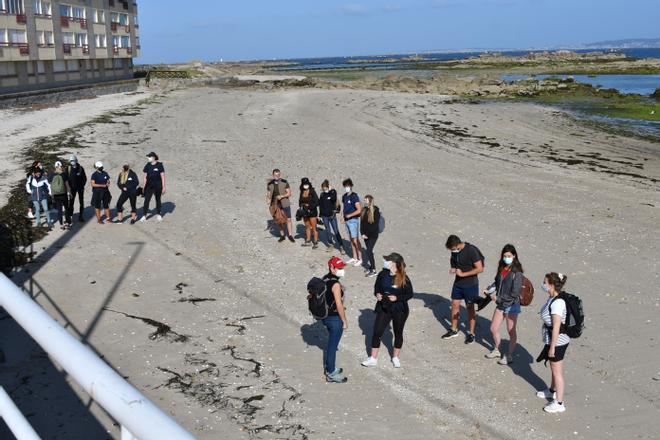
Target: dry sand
(246, 362)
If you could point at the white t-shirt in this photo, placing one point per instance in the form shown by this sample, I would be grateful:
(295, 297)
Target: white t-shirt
(558, 308)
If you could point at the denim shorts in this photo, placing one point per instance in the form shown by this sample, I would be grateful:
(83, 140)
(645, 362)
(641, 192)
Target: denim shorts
(287, 211)
(468, 293)
(513, 309)
(353, 227)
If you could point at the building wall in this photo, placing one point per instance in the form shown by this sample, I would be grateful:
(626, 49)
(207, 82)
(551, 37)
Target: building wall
(66, 47)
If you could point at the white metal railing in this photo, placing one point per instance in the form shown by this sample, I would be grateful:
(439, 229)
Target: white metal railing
(138, 416)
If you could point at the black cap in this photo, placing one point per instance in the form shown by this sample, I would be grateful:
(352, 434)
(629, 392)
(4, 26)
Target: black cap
(152, 154)
(304, 181)
(394, 257)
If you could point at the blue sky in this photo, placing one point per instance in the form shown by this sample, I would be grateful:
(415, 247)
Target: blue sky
(244, 30)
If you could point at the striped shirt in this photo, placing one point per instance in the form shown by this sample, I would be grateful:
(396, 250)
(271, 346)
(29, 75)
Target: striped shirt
(558, 308)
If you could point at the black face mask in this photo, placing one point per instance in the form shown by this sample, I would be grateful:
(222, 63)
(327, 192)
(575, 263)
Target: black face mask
(126, 168)
(101, 170)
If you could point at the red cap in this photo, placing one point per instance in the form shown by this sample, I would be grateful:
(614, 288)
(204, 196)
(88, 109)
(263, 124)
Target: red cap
(336, 262)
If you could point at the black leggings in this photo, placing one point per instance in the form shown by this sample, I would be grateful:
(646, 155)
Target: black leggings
(383, 319)
(149, 191)
(371, 243)
(131, 197)
(81, 200)
(62, 207)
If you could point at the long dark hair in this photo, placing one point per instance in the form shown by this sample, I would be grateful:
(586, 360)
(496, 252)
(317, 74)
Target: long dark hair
(516, 266)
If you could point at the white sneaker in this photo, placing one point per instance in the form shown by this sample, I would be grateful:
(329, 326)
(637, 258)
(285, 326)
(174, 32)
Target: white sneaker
(554, 407)
(370, 362)
(30, 215)
(505, 361)
(159, 218)
(143, 218)
(396, 362)
(357, 263)
(546, 394)
(351, 261)
(494, 354)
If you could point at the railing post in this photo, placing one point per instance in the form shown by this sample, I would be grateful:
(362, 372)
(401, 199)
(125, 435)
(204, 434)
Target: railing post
(126, 434)
(14, 419)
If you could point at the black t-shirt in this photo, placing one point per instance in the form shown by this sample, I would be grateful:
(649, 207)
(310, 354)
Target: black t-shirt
(153, 173)
(465, 261)
(100, 178)
(328, 203)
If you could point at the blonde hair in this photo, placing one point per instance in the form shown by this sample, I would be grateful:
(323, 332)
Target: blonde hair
(123, 176)
(58, 170)
(370, 211)
(400, 277)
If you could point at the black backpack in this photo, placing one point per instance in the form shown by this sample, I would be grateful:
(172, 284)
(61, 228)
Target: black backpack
(316, 298)
(574, 325)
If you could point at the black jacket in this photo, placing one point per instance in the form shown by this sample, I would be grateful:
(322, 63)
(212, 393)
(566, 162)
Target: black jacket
(131, 183)
(328, 203)
(371, 230)
(310, 206)
(77, 178)
(509, 288)
(401, 303)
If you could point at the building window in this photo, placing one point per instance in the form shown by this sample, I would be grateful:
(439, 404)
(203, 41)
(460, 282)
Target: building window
(41, 69)
(81, 40)
(114, 17)
(72, 65)
(66, 11)
(123, 19)
(45, 38)
(125, 41)
(101, 40)
(17, 36)
(7, 69)
(42, 8)
(135, 20)
(4, 38)
(59, 66)
(68, 38)
(14, 7)
(79, 13)
(99, 16)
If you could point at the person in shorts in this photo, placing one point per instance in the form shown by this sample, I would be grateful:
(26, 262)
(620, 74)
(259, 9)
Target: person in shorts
(351, 211)
(278, 191)
(466, 262)
(101, 192)
(154, 185)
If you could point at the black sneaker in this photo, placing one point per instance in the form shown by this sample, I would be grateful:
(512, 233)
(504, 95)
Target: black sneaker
(469, 339)
(450, 334)
(315, 245)
(306, 243)
(132, 221)
(81, 218)
(291, 239)
(281, 239)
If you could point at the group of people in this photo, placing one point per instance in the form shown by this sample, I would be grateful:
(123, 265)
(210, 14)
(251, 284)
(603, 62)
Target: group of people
(64, 184)
(393, 288)
(362, 219)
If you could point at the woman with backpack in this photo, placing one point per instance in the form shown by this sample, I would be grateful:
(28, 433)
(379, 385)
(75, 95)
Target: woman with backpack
(369, 226)
(553, 314)
(505, 291)
(60, 189)
(309, 203)
(392, 290)
(329, 207)
(39, 189)
(128, 183)
(335, 322)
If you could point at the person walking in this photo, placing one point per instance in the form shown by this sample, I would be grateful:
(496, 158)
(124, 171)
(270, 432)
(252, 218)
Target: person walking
(309, 203)
(101, 192)
(278, 191)
(77, 182)
(154, 186)
(466, 262)
(553, 314)
(329, 207)
(505, 291)
(128, 183)
(392, 290)
(60, 189)
(336, 321)
(351, 211)
(369, 226)
(38, 187)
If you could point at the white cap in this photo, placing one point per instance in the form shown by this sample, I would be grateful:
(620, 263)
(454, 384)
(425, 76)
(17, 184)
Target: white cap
(98, 164)
(58, 164)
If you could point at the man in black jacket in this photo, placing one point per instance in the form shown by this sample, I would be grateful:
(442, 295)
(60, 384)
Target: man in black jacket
(77, 181)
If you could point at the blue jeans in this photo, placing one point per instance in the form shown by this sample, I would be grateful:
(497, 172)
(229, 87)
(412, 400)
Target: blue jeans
(335, 330)
(331, 222)
(37, 211)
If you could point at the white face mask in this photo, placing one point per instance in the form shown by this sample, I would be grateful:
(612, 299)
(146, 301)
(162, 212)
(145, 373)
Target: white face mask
(340, 273)
(386, 265)
(507, 260)
(347, 189)
(455, 251)
(152, 160)
(305, 186)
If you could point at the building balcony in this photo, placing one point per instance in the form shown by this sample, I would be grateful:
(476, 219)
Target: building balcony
(113, 26)
(19, 48)
(64, 21)
(21, 18)
(115, 50)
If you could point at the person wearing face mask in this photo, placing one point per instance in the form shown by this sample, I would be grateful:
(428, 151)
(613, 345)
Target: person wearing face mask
(369, 224)
(328, 207)
(278, 191)
(466, 262)
(309, 203)
(60, 189)
(553, 314)
(336, 321)
(77, 180)
(36, 164)
(352, 209)
(154, 185)
(505, 291)
(392, 290)
(38, 187)
(128, 183)
(101, 192)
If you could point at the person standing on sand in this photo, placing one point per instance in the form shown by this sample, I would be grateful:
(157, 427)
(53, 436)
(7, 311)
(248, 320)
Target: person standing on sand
(60, 189)
(392, 290)
(505, 291)
(369, 224)
(278, 191)
(101, 192)
(35, 164)
(39, 189)
(77, 181)
(553, 314)
(352, 209)
(128, 183)
(466, 262)
(308, 203)
(336, 321)
(329, 206)
(154, 185)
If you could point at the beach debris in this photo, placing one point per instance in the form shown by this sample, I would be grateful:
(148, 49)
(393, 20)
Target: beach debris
(162, 330)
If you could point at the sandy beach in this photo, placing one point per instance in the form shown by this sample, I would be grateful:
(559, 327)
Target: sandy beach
(239, 357)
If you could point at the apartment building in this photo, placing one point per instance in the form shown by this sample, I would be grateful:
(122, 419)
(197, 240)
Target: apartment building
(46, 44)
